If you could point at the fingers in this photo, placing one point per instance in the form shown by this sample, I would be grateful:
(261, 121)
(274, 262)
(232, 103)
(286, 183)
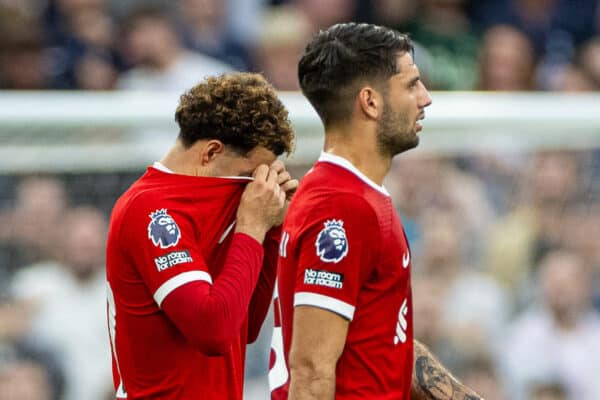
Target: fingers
(272, 177)
(281, 197)
(283, 177)
(271, 174)
(276, 177)
(278, 166)
(289, 187)
(261, 172)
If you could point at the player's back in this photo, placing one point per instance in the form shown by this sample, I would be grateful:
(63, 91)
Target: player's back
(165, 231)
(343, 249)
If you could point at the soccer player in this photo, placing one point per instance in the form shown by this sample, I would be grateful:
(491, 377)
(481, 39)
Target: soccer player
(344, 294)
(192, 252)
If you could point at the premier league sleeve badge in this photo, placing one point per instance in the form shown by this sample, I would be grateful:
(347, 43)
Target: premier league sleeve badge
(163, 230)
(331, 243)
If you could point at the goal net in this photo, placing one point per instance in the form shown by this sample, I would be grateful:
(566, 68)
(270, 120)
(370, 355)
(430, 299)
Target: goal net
(500, 188)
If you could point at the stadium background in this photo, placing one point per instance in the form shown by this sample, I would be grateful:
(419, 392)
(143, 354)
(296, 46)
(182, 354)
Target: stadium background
(500, 202)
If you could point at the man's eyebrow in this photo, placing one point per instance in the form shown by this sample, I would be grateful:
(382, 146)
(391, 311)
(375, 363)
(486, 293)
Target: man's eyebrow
(414, 80)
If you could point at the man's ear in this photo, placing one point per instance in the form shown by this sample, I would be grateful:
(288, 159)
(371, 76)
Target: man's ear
(210, 151)
(370, 102)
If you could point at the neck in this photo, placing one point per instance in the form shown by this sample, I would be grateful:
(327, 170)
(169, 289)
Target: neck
(181, 161)
(360, 148)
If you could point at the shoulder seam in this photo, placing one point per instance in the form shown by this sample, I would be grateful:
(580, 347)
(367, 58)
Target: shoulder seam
(127, 208)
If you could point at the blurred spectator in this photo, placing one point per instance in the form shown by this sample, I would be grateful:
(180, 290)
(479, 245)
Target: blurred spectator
(29, 230)
(500, 173)
(558, 335)
(160, 62)
(555, 28)
(543, 21)
(572, 78)
(23, 61)
(523, 236)
(582, 74)
(284, 34)
(547, 390)
(479, 372)
(14, 320)
(243, 19)
(206, 31)
(444, 30)
(324, 13)
(590, 60)
(506, 60)
(393, 13)
(24, 381)
(581, 232)
(26, 374)
(447, 189)
(72, 320)
(428, 320)
(28, 8)
(77, 28)
(475, 309)
(95, 72)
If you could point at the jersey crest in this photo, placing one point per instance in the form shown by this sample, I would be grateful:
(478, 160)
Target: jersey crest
(331, 242)
(163, 230)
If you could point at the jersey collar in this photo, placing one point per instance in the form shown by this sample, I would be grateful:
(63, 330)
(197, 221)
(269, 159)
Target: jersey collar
(161, 167)
(344, 163)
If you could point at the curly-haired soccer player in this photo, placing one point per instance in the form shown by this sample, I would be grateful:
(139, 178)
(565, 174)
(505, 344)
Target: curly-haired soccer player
(192, 247)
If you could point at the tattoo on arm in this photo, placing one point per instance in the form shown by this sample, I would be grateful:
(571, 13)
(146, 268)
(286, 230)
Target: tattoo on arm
(431, 381)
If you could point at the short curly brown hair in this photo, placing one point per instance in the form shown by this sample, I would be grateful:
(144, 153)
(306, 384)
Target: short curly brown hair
(241, 110)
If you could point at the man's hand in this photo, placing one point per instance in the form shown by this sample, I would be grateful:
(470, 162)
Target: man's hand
(262, 204)
(286, 183)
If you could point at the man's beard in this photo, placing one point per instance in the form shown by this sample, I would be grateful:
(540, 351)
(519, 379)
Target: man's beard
(394, 133)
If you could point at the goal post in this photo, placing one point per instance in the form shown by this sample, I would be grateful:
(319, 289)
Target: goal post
(121, 131)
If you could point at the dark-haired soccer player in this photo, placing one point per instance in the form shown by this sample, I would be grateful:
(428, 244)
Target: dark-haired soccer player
(191, 254)
(344, 268)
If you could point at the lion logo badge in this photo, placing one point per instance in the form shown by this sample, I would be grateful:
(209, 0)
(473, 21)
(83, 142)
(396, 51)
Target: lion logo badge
(331, 242)
(163, 230)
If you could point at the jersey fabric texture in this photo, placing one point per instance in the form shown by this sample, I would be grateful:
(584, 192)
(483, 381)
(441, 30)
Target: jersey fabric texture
(343, 249)
(167, 231)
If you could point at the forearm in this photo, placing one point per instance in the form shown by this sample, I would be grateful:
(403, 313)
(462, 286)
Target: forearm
(312, 383)
(210, 317)
(431, 381)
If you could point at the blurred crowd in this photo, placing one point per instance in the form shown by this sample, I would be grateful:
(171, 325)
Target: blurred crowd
(506, 275)
(151, 44)
(505, 246)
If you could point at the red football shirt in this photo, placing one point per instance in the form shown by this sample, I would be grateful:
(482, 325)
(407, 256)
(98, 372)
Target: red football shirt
(167, 231)
(343, 249)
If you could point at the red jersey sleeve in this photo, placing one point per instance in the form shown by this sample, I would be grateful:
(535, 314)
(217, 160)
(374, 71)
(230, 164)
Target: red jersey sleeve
(263, 293)
(163, 246)
(337, 250)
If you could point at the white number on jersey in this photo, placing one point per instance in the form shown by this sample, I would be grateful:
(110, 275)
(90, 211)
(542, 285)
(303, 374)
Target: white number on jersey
(278, 374)
(402, 324)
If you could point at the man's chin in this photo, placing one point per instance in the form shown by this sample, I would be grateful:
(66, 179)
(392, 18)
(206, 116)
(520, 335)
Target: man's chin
(405, 146)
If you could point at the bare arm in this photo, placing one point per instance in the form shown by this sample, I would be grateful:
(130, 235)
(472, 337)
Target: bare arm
(317, 343)
(431, 381)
